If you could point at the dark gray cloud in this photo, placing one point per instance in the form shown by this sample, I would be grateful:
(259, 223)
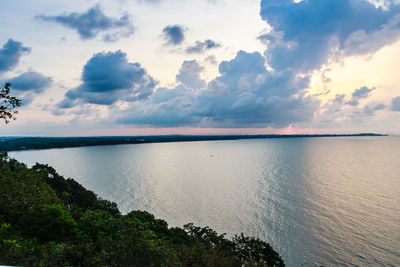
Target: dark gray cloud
(31, 81)
(10, 54)
(108, 78)
(395, 103)
(246, 94)
(174, 34)
(201, 47)
(93, 22)
(28, 85)
(307, 33)
(358, 94)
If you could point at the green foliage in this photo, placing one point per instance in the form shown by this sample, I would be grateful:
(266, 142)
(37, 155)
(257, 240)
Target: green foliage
(8, 104)
(46, 220)
(255, 251)
(72, 193)
(49, 222)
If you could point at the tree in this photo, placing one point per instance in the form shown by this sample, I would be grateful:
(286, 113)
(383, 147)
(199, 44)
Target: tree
(8, 104)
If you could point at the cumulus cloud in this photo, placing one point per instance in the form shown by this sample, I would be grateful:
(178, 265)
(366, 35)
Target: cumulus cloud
(108, 77)
(306, 34)
(10, 54)
(29, 84)
(245, 94)
(358, 94)
(31, 81)
(168, 108)
(201, 47)
(189, 74)
(395, 103)
(174, 34)
(92, 22)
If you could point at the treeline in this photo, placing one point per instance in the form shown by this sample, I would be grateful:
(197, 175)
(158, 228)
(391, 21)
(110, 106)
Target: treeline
(26, 143)
(46, 220)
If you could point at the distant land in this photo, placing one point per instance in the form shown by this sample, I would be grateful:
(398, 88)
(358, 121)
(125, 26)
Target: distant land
(29, 143)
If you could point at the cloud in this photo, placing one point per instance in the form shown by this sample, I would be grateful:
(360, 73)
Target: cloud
(359, 42)
(339, 98)
(31, 81)
(211, 60)
(149, 1)
(333, 106)
(10, 54)
(306, 34)
(201, 47)
(93, 22)
(175, 110)
(395, 104)
(174, 34)
(245, 94)
(108, 77)
(361, 115)
(189, 74)
(359, 94)
(29, 84)
(339, 112)
(371, 107)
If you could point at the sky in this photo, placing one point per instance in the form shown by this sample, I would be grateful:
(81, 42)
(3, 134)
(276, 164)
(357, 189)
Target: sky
(150, 67)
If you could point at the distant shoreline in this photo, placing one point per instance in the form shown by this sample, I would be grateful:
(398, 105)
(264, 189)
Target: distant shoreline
(34, 143)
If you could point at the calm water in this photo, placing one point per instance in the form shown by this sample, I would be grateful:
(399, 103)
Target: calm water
(317, 201)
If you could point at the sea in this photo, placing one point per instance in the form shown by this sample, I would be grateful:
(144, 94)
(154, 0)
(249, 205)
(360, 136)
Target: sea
(317, 201)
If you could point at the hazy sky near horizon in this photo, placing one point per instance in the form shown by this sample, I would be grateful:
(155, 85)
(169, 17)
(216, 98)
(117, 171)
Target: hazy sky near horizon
(134, 67)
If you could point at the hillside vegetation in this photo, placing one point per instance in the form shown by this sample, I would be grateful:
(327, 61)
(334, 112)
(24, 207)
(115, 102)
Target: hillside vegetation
(46, 220)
